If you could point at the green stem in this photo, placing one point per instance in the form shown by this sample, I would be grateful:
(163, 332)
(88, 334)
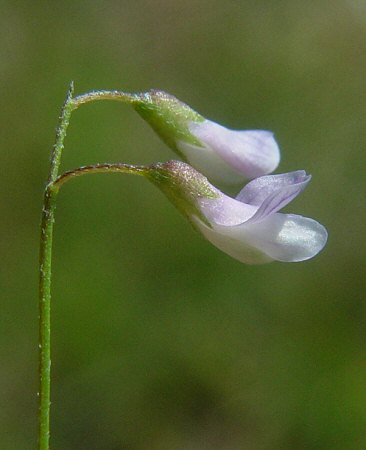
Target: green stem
(98, 168)
(93, 96)
(45, 318)
(61, 130)
(45, 258)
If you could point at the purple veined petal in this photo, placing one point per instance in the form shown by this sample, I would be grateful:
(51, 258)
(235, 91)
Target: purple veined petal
(256, 191)
(252, 152)
(275, 191)
(278, 199)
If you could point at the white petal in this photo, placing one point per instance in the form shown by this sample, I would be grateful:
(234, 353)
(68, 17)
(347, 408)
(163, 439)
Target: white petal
(232, 241)
(281, 237)
(208, 162)
(251, 153)
(287, 237)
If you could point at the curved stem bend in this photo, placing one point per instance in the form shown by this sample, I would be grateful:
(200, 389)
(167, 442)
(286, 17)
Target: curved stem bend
(98, 168)
(93, 96)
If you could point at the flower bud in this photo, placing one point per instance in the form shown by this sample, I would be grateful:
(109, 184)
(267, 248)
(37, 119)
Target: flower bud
(223, 155)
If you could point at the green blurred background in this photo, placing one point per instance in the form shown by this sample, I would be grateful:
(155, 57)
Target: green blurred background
(160, 341)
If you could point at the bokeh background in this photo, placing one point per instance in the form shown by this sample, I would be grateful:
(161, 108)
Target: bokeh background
(160, 341)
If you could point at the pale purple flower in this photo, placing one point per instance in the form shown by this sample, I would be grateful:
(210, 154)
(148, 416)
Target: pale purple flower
(249, 228)
(223, 155)
(230, 156)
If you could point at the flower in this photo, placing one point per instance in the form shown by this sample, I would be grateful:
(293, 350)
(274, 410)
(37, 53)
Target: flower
(223, 155)
(249, 228)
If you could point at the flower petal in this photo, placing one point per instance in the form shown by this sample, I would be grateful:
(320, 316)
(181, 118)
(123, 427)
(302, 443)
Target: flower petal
(282, 237)
(273, 192)
(232, 241)
(252, 153)
(225, 210)
(208, 162)
(279, 198)
(270, 193)
(287, 237)
(255, 192)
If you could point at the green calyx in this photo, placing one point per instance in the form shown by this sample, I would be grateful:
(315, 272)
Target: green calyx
(183, 186)
(168, 116)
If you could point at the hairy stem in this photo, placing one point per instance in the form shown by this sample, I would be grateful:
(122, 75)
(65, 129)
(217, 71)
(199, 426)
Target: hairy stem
(45, 318)
(98, 168)
(45, 256)
(104, 95)
(54, 182)
(61, 130)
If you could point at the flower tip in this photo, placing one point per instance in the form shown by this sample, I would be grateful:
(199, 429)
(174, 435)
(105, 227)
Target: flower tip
(301, 239)
(268, 154)
(315, 245)
(231, 156)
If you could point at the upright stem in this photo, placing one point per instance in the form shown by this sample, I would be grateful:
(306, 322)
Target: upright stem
(64, 120)
(45, 318)
(45, 258)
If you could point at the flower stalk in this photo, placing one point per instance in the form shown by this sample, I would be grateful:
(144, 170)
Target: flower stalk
(93, 96)
(98, 168)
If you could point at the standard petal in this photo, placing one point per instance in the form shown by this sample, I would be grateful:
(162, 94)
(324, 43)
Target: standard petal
(278, 199)
(252, 153)
(274, 192)
(256, 191)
